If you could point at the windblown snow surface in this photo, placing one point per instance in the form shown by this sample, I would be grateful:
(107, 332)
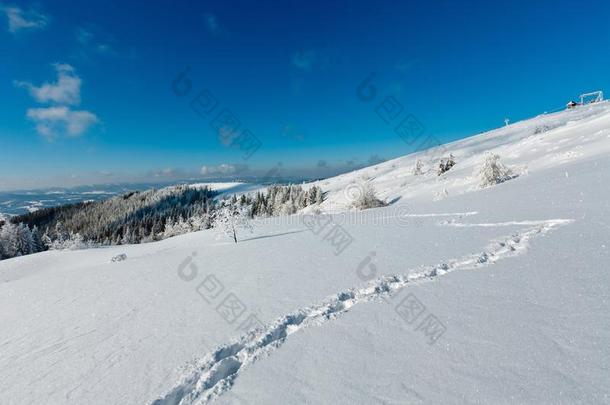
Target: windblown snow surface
(452, 294)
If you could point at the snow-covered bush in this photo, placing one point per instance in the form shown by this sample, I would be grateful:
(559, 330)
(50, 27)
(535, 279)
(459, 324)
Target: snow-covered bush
(441, 194)
(446, 164)
(545, 128)
(367, 198)
(493, 171)
(119, 258)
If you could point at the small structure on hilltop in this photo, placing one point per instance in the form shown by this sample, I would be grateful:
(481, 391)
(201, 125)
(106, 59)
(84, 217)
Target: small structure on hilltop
(593, 97)
(587, 98)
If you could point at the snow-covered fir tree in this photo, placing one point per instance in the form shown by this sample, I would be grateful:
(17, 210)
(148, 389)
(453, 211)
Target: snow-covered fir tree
(285, 200)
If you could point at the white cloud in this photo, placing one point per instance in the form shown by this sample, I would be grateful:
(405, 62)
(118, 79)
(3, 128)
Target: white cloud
(104, 49)
(93, 40)
(59, 118)
(52, 121)
(19, 19)
(84, 36)
(223, 169)
(66, 90)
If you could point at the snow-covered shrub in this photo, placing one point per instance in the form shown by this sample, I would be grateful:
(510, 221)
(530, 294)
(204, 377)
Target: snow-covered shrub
(493, 171)
(441, 195)
(119, 258)
(545, 128)
(367, 198)
(446, 164)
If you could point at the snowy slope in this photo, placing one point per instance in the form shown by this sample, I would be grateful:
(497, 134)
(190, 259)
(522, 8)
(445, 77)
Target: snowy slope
(516, 275)
(547, 141)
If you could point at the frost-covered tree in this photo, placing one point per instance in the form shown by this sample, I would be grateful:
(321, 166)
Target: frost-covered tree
(61, 233)
(8, 240)
(284, 200)
(75, 241)
(232, 220)
(18, 240)
(24, 241)
(368, 198)
(38, 244)
(201, 222)
(492, 171)
(418, 169)
(319, 195)
(46, 241)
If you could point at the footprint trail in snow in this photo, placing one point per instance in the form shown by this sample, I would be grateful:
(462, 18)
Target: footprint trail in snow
(215, 373)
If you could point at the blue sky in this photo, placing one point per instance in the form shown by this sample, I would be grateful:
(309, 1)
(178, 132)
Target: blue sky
(87, 88)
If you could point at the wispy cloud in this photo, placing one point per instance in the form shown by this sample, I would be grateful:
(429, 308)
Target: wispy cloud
(19, 19)
(59, 118)
(405, 66)
(211, 23)
(93, 40)
(304, 60)
(66, 90)
(83, 36)
(290, 131)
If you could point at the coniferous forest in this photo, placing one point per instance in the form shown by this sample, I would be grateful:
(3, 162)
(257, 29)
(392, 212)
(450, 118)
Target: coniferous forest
(139, 217)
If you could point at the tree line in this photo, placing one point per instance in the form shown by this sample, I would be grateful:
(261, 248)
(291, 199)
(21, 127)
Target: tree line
(139, 217)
